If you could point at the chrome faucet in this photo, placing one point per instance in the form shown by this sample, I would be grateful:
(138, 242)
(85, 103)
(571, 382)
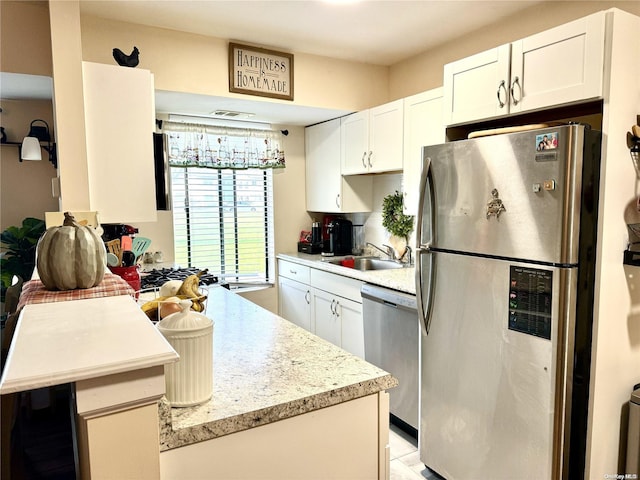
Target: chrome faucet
(408, 252)
(389, 252)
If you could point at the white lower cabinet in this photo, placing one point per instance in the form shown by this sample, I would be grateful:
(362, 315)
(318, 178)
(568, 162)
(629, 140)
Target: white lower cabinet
(323, 303)
(295, 302)
(339, 321)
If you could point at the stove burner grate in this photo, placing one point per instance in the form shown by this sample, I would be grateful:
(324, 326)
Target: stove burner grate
(157, 277)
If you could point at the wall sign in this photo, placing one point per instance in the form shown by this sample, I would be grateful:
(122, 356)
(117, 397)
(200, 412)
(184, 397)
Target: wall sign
(262, 72)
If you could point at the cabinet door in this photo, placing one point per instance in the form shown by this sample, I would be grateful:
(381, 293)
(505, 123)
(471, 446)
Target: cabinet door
(294, 302)
(327, 322)
(423, 125)
(560, 65)
(386, 137)
(477, 87)
(355, 143)
(327, 190)
(119, 122)
(323, 179)
(352, 326)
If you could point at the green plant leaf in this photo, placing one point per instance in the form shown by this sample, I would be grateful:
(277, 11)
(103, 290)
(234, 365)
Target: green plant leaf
(19, 246)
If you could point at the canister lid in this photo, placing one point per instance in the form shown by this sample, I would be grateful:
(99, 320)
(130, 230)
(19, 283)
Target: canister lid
(635, 395)
(185, 320)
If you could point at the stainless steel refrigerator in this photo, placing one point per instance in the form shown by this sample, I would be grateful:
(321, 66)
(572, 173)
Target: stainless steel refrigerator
(506, 237)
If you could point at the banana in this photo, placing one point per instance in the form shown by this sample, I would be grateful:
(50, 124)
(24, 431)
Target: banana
(197, 303)
(190, 285)
(189, 289)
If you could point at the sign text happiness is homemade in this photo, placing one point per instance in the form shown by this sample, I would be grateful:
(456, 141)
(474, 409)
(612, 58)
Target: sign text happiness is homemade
(258, 71)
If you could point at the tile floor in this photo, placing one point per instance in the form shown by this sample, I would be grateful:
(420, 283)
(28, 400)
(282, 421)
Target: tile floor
(405, 458)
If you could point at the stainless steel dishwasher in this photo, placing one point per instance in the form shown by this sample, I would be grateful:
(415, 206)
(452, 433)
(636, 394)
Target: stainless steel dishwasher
(391, 342)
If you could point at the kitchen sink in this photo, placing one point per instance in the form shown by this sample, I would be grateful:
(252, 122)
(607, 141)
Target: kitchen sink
(368, 263)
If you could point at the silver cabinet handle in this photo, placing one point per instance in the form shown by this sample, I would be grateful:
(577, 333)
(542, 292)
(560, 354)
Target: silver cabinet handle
(338, 200)
(307, 297)
(333, 301)
(364, 154)
(369, 159)
(295, 272)
(336, 312)
(502, 86)
(516, 81)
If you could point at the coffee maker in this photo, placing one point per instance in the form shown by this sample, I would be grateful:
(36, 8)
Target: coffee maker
(340, 237)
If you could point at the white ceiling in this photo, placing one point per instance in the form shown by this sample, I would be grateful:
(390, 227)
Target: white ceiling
(380, 32)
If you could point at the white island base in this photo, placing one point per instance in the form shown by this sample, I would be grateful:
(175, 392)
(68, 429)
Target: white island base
(346, 441)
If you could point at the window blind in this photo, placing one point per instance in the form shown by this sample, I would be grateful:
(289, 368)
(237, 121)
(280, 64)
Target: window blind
(223, 221)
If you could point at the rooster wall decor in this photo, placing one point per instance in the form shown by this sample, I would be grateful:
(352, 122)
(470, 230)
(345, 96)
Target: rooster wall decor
(125, 60)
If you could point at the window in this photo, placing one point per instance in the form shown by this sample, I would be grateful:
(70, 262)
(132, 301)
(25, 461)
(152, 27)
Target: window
(223, 221)
(222, 210)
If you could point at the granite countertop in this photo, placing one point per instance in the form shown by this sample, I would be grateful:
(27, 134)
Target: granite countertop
(402, 279)
(265, 369)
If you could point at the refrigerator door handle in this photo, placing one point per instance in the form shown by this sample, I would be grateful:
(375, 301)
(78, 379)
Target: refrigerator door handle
(424, 307)
(424, 312)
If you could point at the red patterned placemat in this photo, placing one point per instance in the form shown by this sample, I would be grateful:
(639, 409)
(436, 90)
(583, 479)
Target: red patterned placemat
(33, 291)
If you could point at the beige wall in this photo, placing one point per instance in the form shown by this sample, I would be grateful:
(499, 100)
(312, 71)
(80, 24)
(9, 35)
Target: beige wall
(25, 187)
(185, 62)
(25, 47)
(25, 44)
(424, 71)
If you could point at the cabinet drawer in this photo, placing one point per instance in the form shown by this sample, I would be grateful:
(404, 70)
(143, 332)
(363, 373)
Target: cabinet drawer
(294, 271)
(337, 284)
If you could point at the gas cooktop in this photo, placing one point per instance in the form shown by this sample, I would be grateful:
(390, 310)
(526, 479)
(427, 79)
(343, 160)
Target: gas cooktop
(157, 277)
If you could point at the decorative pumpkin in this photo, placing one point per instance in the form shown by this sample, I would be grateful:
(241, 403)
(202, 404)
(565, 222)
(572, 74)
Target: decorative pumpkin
(71, 256)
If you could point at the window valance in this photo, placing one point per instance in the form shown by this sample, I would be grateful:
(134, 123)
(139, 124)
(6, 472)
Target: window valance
(193, 145)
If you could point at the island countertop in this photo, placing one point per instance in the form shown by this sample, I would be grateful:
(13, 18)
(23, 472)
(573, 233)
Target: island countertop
(265, 369)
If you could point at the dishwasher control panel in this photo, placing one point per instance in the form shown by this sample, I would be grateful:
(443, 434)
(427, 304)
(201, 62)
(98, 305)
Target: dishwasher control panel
(392, 298)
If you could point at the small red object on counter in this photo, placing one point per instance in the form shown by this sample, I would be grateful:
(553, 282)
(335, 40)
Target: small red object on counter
(129, 274)
(348, 262)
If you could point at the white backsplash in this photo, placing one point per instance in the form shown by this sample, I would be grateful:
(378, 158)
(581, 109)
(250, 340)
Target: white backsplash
(374, 232)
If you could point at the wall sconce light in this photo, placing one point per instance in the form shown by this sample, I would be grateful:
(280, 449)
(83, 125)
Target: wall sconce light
(31, 143)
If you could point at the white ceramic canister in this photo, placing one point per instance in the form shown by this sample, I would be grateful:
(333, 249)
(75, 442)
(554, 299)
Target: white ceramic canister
(189, 381)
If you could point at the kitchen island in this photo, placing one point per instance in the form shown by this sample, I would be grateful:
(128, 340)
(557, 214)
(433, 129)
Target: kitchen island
(285, 404)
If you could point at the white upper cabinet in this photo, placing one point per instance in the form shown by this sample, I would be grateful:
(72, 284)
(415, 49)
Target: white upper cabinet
(327, 190)
(372, 139)
(562, 65)
(423, 125)
(478, 86)
(119, 110)
(355, 142)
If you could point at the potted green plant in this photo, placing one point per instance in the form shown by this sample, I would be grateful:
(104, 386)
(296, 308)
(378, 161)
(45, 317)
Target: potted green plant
(396, 222)
(19, 251)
